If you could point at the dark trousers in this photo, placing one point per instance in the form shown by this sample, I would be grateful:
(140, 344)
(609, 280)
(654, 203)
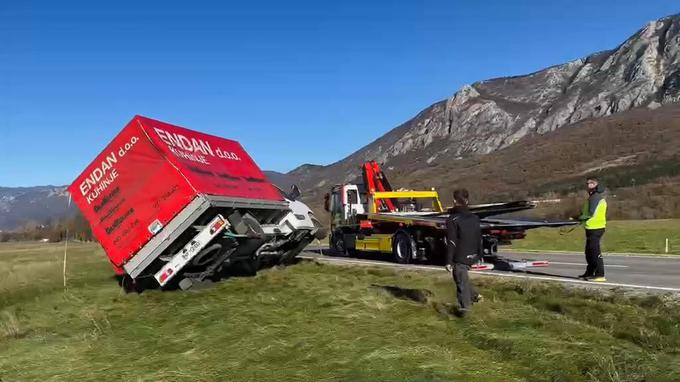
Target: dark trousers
(464, 291)
(594, 253)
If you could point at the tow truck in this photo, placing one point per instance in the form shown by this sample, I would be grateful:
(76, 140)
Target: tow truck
(410, 225)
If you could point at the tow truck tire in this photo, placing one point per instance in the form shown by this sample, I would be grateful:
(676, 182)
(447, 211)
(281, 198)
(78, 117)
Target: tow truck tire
(338, 243)
(402, 247)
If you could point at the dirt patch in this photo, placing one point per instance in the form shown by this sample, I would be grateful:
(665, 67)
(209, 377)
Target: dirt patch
(622, 161)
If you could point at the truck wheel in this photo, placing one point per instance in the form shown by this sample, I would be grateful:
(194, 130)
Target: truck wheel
(185, 284)
(402, 247)
(321, 232)
(250, 266)
(207, 255)
(254, 227)
(288, 258)
(130, 285)
(339, 244)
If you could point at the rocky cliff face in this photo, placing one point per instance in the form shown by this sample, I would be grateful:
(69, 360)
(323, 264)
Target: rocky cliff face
(490, 115)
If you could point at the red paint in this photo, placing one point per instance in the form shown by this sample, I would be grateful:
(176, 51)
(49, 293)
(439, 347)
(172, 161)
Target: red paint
(150, 172)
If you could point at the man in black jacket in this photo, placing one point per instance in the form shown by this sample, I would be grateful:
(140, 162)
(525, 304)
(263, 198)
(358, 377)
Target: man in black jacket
(463, 248)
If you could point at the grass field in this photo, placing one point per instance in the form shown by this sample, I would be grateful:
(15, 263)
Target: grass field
(636, 236)
(313, 322)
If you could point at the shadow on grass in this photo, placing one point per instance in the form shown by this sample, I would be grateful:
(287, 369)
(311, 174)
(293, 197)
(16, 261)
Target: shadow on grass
(548, 274)
(417, 295)
(423, 297)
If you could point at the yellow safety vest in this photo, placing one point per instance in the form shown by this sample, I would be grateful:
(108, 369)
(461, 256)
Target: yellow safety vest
(599, 218)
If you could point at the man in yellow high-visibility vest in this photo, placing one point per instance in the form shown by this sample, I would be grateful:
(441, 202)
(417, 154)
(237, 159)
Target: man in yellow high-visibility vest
(594, 219)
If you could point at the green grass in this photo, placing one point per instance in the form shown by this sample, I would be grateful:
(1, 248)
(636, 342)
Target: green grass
(632, 236)
(313, 322)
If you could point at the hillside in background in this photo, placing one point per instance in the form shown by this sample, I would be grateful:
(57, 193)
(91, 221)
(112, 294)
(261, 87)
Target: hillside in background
(40, 205)
(283, 181)
(490, 115)
(635, 153)
(614, 114)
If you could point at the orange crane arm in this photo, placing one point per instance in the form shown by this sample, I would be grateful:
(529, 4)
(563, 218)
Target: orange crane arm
(375, 180)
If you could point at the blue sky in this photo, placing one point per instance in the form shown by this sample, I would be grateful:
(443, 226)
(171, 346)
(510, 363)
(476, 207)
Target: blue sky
(294, 81)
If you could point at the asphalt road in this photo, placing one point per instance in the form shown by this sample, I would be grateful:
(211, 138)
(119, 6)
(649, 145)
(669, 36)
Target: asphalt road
(654, 273)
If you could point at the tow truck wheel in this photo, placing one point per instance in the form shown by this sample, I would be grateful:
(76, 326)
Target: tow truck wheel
(338, 243)
(402, 247)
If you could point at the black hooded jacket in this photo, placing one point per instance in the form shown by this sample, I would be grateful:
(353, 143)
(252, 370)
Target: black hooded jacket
(463, 237)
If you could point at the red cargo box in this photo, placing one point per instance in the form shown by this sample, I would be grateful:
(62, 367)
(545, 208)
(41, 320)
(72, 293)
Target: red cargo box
(150, 172)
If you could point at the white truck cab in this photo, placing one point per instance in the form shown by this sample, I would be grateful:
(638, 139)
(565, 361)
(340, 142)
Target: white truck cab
(297, 229)
(346, 201)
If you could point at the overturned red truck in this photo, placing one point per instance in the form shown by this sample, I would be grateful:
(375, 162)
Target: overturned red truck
(174, 207)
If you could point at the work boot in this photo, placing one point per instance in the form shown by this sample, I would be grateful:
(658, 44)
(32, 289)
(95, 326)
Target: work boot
(460, 313)
(585, 276)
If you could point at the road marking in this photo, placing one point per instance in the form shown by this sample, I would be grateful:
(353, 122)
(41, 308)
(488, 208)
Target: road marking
(485, 273)
(616, 254)
(557, 253)
(370, 262)
(582, 264)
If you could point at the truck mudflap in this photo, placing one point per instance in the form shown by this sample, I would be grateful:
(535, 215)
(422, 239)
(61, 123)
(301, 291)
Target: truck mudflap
(191, 249)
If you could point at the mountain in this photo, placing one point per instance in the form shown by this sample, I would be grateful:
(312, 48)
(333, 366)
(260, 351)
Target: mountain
(37, 205)
(614, 113)
(634, 153)
(283, 181)
(487, 116)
